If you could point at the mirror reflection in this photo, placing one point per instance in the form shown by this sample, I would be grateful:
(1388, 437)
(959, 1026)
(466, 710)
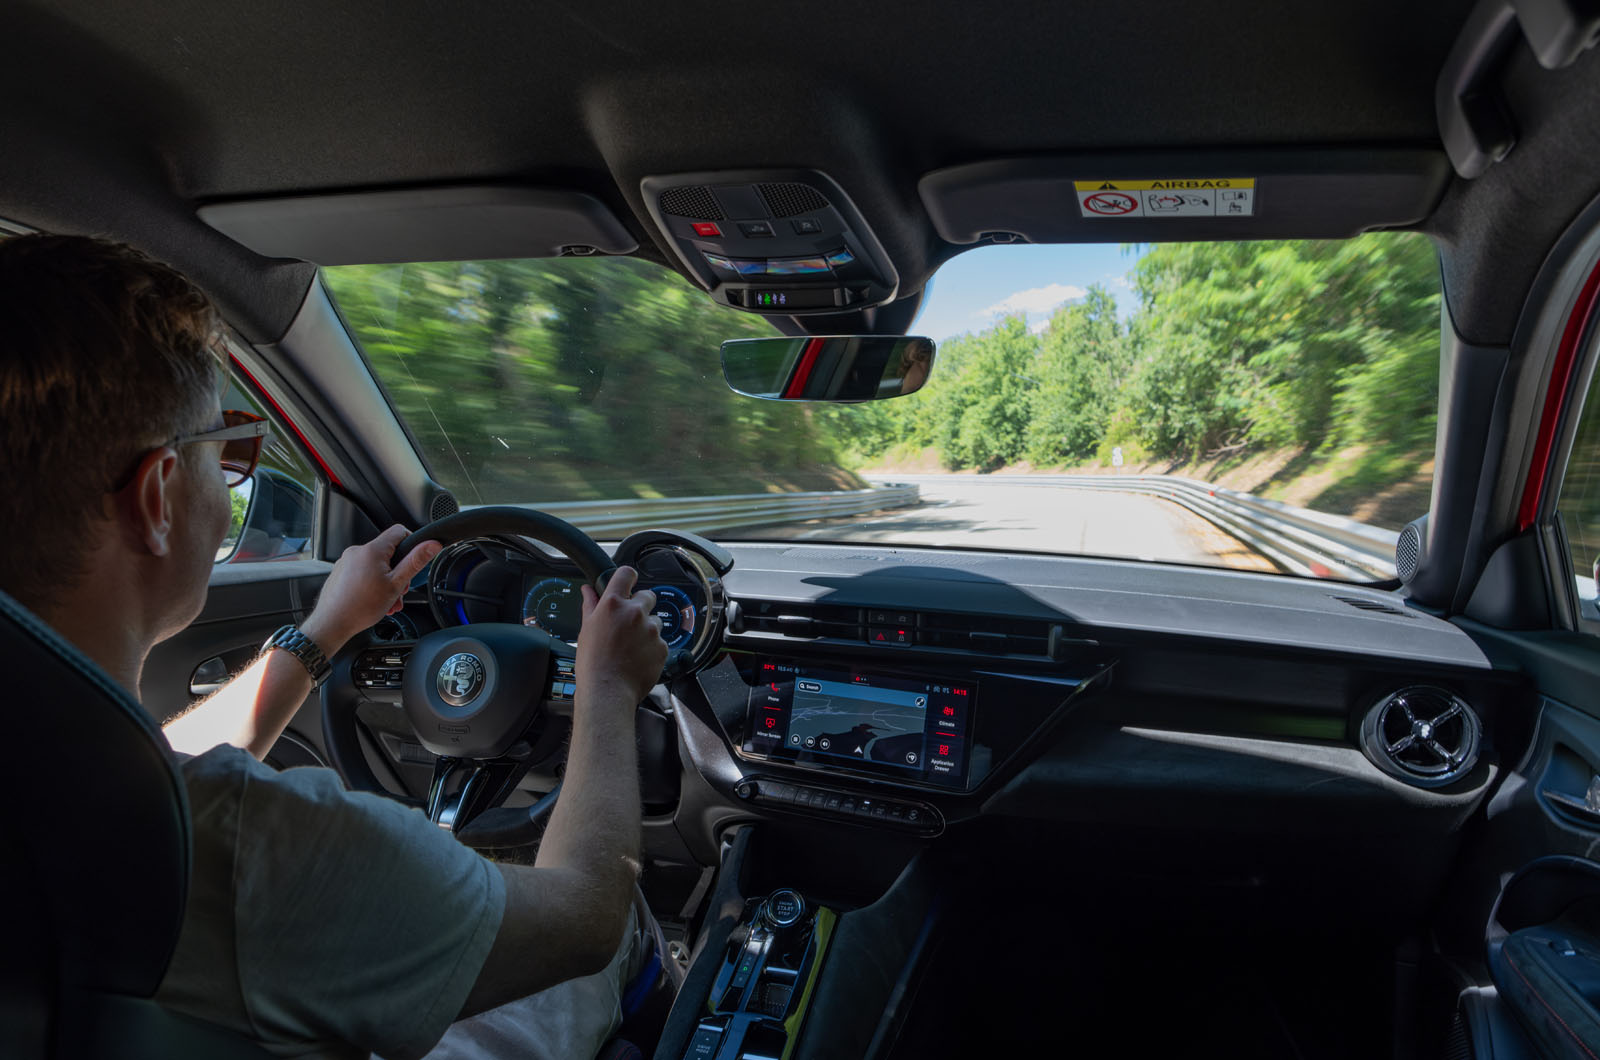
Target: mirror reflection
(838, 368)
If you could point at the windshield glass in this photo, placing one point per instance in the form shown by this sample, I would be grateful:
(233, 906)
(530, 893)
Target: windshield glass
(1262, 406)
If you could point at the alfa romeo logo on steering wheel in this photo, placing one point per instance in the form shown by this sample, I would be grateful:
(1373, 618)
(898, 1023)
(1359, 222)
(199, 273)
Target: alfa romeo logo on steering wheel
(460, 679)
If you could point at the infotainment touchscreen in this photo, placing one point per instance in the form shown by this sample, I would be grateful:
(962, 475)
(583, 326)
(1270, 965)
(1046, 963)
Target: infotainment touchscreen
(911, 728)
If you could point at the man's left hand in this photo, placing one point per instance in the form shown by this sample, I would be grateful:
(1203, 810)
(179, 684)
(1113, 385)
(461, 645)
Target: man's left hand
(363, 587)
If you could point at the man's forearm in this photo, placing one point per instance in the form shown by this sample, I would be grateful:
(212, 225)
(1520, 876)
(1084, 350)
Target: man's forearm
(256, 705)
(595, 826)
(250, 711)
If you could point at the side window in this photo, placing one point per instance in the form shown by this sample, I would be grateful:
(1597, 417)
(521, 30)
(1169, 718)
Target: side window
(1579, 507)
(275, 510)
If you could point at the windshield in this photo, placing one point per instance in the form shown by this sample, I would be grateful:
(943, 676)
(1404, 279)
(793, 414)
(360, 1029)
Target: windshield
(1261, 406)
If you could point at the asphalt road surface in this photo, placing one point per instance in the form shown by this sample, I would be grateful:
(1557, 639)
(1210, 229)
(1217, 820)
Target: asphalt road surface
(1001, 512)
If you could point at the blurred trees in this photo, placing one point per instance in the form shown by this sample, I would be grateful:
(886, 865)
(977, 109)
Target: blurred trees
(574, 378)
(1232, 346)
(578, 378)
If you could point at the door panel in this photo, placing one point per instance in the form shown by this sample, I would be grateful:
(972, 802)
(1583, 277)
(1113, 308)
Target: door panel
(1523, 914)
(246, 603)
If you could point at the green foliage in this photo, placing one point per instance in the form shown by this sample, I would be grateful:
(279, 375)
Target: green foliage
(570, 379)
(1232, 346)
(585, 378)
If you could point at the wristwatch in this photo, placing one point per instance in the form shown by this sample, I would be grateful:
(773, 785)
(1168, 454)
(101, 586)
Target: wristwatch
(302, 647)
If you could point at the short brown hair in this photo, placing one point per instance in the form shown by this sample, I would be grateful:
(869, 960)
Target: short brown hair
(105, 353)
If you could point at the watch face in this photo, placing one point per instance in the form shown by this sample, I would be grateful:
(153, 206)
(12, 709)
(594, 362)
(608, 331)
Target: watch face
(460, 678)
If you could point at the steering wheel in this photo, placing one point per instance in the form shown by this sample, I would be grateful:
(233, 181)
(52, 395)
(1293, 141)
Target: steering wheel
(475, 694)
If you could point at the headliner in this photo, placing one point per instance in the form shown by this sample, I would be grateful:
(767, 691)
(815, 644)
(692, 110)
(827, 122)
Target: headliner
(185, 103)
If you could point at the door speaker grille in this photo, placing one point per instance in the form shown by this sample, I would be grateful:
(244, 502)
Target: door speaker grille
(694, 201)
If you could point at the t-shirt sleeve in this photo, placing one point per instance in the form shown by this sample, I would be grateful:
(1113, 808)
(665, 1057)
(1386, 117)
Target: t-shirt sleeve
(356, 918)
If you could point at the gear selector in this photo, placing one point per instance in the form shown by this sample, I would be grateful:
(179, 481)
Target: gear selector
(762, 990)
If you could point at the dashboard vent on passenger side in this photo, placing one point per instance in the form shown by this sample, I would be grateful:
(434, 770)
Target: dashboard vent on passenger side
(787, 200)
(694, 201)
(1383, 607)
(1423, 735)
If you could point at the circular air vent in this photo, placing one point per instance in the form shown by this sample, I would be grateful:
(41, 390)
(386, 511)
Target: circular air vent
(1423, 735)
(443, 504)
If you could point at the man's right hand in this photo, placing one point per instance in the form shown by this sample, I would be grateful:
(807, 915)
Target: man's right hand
(620, 644)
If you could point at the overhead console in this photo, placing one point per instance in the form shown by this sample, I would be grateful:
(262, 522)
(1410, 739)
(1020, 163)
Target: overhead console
(777, 242)
(1161, 196)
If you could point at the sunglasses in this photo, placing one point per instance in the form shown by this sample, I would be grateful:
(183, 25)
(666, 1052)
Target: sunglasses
(242, 434)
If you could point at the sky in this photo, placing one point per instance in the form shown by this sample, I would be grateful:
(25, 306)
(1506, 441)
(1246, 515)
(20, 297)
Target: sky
(976, 288)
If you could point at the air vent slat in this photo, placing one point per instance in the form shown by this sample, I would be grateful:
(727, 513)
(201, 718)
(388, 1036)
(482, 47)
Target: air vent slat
(1423, 735)
(1382, 607)
(899, 629)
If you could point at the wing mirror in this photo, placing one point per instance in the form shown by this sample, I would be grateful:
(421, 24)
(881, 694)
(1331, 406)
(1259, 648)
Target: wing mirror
(845, 368)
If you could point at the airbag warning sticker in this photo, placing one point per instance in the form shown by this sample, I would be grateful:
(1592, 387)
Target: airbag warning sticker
(1191, 197)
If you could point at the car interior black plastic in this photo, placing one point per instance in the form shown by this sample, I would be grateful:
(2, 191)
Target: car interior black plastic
(1303, 193)
(464, 222)
(85, 958)
(777, 242)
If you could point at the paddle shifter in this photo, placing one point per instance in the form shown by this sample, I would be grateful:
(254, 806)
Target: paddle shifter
(764, 985)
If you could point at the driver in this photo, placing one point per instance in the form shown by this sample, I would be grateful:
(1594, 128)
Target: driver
(320, 923)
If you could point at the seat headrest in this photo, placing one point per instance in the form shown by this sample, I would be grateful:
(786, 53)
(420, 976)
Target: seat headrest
(103, 822)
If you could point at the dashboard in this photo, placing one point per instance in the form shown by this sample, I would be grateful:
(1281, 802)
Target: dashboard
(918, 689)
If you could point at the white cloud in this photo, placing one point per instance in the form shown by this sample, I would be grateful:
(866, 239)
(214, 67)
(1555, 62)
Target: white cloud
(1037, 326)
(1034, 300)
(1122, 283)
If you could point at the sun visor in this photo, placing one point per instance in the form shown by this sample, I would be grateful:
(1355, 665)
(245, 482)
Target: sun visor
(1147, 198)
(426, 224)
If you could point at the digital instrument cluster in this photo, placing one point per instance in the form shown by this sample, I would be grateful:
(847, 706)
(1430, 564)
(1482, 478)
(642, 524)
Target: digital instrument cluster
(555, 605)
(483, 581)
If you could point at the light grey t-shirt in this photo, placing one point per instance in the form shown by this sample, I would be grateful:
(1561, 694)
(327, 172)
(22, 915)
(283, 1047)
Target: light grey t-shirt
(325, 923)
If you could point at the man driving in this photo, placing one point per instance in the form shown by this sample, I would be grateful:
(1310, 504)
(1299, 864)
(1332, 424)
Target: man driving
(320, 923)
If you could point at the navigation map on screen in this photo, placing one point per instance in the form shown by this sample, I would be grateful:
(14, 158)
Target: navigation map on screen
(859, 721)
(877, 722)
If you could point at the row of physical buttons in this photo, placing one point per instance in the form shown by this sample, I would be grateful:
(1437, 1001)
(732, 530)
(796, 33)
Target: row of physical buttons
(835, 802)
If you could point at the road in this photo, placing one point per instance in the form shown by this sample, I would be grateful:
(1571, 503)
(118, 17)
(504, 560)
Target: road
(990, 512)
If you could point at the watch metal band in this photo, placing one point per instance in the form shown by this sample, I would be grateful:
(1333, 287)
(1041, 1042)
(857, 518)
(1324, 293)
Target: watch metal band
(302, 647)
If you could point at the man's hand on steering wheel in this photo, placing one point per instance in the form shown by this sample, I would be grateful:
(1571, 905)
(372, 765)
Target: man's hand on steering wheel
(620, 646)
(363, 587)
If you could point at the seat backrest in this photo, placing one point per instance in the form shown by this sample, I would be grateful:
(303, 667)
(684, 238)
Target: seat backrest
(97, 852)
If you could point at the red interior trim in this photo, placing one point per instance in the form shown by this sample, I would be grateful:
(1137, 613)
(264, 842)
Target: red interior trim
(808, 360)
(1555, 399)
(333, 480)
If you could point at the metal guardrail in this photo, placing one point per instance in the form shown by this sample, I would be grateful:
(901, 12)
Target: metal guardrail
(1299, 540)
(615, 518)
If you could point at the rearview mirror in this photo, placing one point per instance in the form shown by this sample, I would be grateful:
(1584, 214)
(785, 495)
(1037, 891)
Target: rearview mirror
(840, 368)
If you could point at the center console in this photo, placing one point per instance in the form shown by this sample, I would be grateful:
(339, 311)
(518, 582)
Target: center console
(760, 996)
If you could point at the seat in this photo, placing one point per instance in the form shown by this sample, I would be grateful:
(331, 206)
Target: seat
(97, 850)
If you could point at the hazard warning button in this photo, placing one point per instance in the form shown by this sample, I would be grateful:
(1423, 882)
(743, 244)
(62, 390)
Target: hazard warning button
(889, 635)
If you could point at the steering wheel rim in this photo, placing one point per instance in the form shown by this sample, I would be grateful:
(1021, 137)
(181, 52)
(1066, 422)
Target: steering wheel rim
(341, 695)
